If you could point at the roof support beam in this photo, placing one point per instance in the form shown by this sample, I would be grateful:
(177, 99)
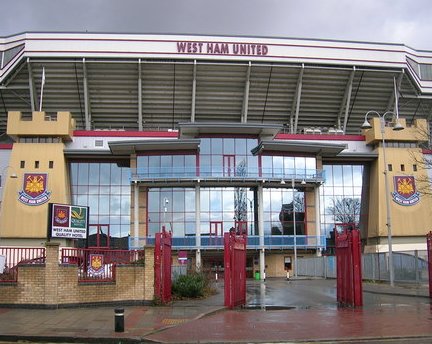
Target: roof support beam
(14, 87)
(32, 87)
(193, 92)
(246, 95)
(86, 98)
(295, 109)
(140, 114)
(20, 97)
(346, 102)
(391, 101)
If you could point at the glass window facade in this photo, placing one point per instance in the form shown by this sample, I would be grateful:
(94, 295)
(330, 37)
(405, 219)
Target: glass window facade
(227, 157)
(220, 209)
(288, 166)
(226, 206)
(280, 216)
(179, 165)
(172, 207)
(105, 188)
(341, 196)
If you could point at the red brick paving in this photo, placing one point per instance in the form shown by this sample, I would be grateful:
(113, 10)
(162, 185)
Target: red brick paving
(310, 324)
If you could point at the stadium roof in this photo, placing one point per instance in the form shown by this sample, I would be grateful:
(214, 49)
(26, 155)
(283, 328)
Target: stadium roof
(148, 82)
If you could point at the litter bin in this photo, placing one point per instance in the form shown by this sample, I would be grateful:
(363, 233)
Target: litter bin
(257, 275)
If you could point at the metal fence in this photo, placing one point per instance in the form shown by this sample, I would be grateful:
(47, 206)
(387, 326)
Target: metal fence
(99, 265)
(409, 266)
(12, 257)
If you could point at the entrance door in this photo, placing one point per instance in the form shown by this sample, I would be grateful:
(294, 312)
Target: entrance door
(216, 232)
(229, 165)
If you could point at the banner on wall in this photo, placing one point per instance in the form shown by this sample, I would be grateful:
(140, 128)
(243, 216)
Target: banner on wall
(68, 221)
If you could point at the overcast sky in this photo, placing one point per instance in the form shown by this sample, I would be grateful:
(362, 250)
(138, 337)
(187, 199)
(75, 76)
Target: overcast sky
(390, 21)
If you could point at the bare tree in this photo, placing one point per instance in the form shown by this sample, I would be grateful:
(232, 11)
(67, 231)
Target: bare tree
(422, 158)
(346, 210)
(240, 195)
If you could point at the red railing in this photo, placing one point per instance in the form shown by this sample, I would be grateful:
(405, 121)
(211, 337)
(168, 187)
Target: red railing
(13, 257)
(99, 265)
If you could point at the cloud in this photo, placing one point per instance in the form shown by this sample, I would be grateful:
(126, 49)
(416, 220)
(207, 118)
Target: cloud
(397, 21)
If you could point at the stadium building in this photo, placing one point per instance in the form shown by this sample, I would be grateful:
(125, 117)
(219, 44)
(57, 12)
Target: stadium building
(202, 134)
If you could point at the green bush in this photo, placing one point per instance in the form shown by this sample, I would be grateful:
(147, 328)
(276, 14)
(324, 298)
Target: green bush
(191, 285)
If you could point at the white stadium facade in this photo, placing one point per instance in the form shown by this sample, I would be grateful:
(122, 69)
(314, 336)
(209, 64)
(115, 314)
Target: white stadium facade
(202, 134)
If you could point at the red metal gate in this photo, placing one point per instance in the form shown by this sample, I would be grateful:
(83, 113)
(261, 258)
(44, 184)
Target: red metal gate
(348, 268)
(429, 249)
(235, 269)
(162, 269)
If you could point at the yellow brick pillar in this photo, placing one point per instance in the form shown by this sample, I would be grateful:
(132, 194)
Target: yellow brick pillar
(51, 273)
(149, 273)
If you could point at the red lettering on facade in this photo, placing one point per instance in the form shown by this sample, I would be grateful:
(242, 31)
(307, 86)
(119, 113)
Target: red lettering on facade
(222, 48)
(189, 47)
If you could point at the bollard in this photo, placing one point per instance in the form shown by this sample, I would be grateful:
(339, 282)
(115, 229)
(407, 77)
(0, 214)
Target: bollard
(119, 320)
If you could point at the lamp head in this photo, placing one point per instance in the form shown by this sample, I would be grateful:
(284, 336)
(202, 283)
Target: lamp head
(398, 126)
(13, 176)
(366, 125)
(303, 182)
(282, 181)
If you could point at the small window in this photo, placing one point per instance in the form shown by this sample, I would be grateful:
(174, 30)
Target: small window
(22, 164)
(415, 168)
(390, 167)
(51, 164)
(36, 164)
(287, 263)
(402, 167)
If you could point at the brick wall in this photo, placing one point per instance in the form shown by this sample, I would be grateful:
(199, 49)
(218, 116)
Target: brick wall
(53, 285)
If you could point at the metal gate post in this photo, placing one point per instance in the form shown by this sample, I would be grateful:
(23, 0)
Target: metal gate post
(429, 249)
(162, 266)
(235, 269)
(357, 268)
(348, 263)
(157, 267)
(227, 271)
(166, 266)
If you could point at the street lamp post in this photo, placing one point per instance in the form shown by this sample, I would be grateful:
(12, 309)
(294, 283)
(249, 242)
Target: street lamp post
(294, 224)
(252, 216)
(396, 127)
(165, 204)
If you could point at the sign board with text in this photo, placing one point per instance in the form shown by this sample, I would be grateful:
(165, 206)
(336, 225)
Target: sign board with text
(68, 221)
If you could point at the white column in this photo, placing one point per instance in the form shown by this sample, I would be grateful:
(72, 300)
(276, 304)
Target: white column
(261, 230)
(198, 227)
(318, 218)
(136, 216)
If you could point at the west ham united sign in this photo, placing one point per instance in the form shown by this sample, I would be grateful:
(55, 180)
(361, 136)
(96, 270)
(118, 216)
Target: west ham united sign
(34, 191)
(405, 191)
(68, 221)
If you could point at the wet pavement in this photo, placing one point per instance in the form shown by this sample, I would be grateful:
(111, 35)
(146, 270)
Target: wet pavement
(279, 311)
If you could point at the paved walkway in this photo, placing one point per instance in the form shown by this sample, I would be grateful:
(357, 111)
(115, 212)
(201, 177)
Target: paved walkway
(399, 316)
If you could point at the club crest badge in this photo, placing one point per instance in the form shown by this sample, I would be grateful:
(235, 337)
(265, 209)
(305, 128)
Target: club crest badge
(61, 216)
(405, 191)
(96, 264)
(34, 190)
